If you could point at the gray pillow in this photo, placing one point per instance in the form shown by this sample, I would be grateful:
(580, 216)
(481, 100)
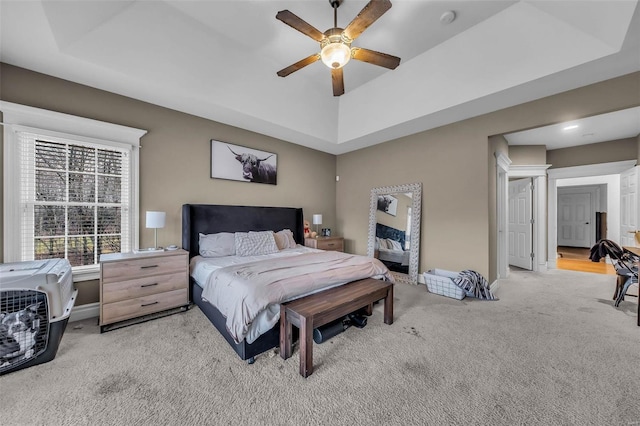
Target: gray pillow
(217, 245)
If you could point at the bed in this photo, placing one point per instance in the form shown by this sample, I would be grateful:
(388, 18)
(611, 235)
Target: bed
(390, 244)
(214, 220)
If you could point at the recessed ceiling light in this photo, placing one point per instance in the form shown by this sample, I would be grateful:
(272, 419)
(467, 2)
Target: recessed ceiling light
(573, 126)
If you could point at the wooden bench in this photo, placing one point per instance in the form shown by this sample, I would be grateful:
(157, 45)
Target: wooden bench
(321, 308)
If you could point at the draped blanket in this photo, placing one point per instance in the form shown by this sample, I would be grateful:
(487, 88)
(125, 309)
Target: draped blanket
(474, 284)
(241, 292)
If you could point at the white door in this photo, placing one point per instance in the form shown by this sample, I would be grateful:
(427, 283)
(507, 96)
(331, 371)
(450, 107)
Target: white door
(575, 214)
(629, 207)
(520, 226)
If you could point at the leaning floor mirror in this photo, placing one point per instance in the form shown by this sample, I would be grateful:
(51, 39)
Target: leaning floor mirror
(394, 229)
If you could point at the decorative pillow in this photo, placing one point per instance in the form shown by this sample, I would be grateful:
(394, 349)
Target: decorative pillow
(379, 244)
(255, 243)
(382, 243)
(284, 239)
(394, 245)
(217, 245)
(289, 234)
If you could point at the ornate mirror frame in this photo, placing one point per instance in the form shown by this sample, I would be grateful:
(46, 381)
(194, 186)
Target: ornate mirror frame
(416, 208)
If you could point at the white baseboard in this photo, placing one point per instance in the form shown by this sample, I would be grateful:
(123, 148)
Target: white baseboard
(82, 312)
(494, 286)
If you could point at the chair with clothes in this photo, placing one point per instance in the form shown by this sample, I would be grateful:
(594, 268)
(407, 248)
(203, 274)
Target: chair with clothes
(624, 262)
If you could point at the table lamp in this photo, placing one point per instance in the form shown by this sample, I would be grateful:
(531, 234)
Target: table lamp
(156, 220)
(317, 220)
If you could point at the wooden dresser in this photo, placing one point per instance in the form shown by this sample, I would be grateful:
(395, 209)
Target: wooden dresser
(325, 243)
(136, 287)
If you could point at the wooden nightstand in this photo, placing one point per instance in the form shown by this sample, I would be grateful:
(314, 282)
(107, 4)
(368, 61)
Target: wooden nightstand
(136, 287)
(325, 243)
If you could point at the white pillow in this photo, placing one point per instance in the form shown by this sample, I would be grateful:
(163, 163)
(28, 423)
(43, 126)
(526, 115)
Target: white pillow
(394, 245)
(255, 243)
(284, 239)
(217, 245)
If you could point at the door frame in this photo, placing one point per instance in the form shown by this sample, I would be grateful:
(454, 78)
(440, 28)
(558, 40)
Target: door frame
(502, 213)
(538, 173)
(616, 167)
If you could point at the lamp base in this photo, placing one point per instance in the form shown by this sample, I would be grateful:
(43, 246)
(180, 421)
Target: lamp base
(148, 250)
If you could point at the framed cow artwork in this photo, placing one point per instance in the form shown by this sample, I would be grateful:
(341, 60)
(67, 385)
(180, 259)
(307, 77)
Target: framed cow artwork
(388, 204)
(234, 162)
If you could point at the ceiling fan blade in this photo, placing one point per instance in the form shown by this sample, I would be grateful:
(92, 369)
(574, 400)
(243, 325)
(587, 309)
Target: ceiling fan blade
(337, 81)
(375, 58)
(299, 24)
(367, 16)
(299, 65)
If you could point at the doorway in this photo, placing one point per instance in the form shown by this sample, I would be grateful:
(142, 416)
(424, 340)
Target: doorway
(521, 223)
(598, 174)
(582, 221)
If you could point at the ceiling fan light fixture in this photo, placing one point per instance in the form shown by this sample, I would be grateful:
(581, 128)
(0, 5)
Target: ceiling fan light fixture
(335, 43)
(335, 55)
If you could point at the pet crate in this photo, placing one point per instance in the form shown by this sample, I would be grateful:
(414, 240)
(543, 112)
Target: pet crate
(36, 298)
(440, 281)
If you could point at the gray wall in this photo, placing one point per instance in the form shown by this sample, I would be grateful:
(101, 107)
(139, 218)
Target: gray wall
(603, 152)
(456, 167)
(454, 163)
(527, 155)
(175, 157)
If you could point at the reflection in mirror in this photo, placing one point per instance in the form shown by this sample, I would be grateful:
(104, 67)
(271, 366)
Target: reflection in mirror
(394, 229)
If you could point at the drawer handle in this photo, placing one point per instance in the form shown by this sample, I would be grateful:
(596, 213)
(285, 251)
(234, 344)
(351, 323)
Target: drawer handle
(148, 285)
(331, 244)
(148, 266)
(149, 304)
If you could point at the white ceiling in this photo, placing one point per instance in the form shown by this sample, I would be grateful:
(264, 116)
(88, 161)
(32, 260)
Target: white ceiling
(218, 59)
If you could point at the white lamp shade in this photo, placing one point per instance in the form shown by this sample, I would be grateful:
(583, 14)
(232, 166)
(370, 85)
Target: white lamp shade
(335, 55)
(156, 219)
(317, 219)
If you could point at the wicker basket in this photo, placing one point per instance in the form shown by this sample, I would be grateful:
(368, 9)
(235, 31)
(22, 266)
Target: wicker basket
(440, 281)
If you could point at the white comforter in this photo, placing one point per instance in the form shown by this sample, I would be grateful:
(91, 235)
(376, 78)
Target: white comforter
(242, 292)
(396, 256)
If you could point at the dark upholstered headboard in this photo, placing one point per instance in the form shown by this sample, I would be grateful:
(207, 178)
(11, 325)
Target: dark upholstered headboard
(384, 231)
(211, 218)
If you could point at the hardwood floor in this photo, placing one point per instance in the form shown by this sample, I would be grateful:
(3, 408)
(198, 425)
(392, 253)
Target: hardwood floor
(577, 259)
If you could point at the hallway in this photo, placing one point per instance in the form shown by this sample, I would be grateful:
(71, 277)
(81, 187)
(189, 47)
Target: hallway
(577, 259)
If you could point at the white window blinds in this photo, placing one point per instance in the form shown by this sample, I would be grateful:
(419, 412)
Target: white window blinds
(75, 198)
(70, 187)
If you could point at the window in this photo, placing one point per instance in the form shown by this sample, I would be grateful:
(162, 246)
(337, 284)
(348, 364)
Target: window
(72, 205)
(68, 195)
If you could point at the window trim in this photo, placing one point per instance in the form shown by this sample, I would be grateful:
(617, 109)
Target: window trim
(18, 117)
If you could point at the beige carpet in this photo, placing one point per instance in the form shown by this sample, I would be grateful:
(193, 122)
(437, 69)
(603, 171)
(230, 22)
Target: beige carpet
(552, 351)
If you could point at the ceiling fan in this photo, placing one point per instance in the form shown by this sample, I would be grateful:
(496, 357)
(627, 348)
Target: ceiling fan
(335, 43)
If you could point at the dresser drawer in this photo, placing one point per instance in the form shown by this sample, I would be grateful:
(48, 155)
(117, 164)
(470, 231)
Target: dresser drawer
(142, 267)
(140, 287)
(333, 244)
(139, 306)
(325, 243)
